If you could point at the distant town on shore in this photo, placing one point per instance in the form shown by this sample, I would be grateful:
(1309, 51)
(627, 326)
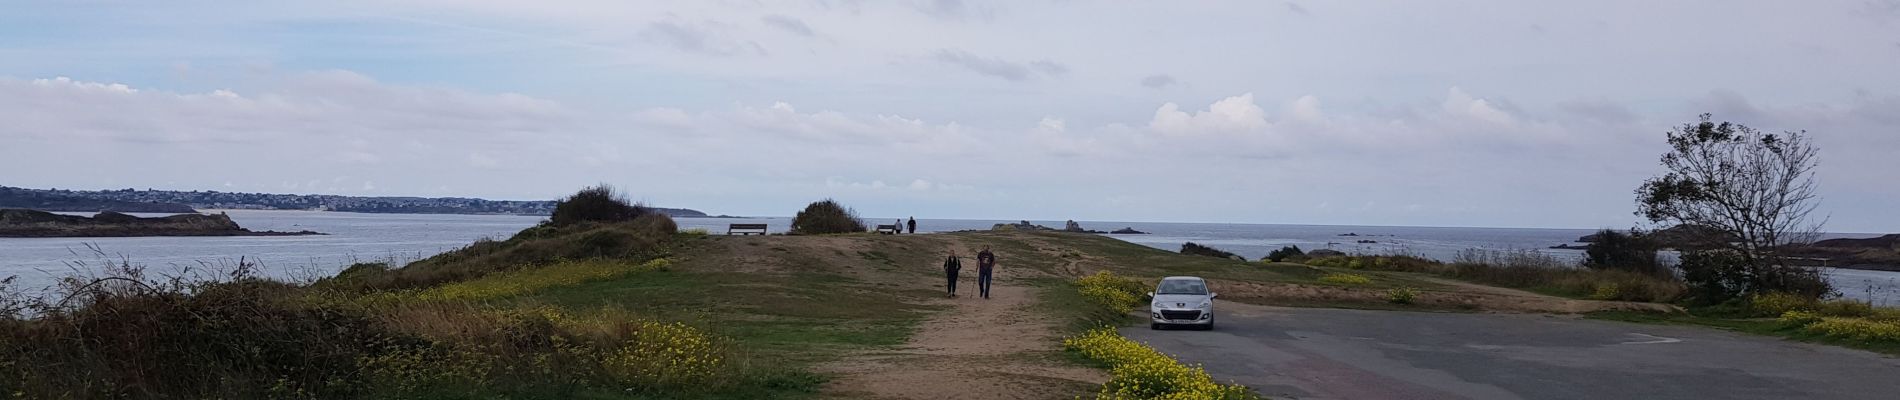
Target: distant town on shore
(173, 201)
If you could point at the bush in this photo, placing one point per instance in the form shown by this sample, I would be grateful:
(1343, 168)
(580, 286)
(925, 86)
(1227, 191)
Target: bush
(1192, 248)
(128, 337)
(1112, 291)
(1844, 308)
(1631, 251)
(1346, 279)
(824, 217)
(1716, 276)
(1137, 371)
(594, 204)
(1292, 253)
(1856, 329)
(1779, 304)
(1402, 295)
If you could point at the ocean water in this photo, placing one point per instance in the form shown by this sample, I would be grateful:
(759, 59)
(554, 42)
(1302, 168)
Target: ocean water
(354, 237)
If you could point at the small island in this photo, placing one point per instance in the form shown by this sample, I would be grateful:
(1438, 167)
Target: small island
(31, 223)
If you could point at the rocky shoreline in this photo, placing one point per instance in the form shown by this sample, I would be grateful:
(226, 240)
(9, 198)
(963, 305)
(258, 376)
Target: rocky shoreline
(20, 223)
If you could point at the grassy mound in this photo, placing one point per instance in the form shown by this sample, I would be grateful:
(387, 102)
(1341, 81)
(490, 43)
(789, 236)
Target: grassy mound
(641, 238)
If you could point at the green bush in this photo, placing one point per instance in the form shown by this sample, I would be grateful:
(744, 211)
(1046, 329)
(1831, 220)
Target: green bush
(1844, 308)
(594, 204)
(1777, 303)
(1287, 253)
(1631, 251)
(825, 217)
(1404, 295)
(1112, 291)
(1191, 248)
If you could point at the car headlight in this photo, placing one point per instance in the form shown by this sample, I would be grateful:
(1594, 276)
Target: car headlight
(1206, 304)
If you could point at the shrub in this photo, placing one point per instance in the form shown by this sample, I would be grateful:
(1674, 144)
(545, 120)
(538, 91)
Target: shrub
(1112, 291)
(1715, 276)
(1403, 295)
(1625, 251)
(1777, 303)
(594, 204)
(1192, 248)
(1346, 279)
(1607, 291)
(1844, 308)
(1856, 329)
(1286, 253)
(826, 216)
(1798, 318)
(1137, 371)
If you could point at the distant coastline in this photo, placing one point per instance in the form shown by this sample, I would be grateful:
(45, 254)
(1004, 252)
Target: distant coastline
(173, 201)
(21, 223)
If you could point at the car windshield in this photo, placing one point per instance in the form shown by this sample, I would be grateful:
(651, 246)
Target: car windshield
(1182, 286)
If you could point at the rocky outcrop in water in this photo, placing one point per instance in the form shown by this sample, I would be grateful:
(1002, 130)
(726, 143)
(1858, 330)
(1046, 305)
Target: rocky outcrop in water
(31, 223)
(1128, 231)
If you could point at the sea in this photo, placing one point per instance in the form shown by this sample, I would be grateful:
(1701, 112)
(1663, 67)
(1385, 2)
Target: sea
(39, 263)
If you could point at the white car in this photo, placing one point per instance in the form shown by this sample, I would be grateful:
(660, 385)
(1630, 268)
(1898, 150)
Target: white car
(1181, 300)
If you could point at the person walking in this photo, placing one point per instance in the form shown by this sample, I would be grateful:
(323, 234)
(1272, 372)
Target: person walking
(897, 226)
(985, 264)
(950, 268)
(913, 224)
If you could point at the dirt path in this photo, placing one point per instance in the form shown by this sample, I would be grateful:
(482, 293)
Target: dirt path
(996, 348)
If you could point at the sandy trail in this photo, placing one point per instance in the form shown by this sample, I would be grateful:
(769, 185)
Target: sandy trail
(996, 348)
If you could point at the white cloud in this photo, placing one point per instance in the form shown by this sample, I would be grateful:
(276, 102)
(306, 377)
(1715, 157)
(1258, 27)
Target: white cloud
(1459, 103)
(1232, 114)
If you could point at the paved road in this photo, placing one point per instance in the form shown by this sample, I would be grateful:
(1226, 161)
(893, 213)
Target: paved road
(1356, 354)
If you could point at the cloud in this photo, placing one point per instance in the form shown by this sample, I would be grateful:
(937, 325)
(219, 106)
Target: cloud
(1296, 8)
(789, 24)
(999, 68)
(1459, 103)
(983, 65)
(953, 10)
(1232, 114)
(1158, 81)
(1049, 67)
(304, 105)
(701, 38)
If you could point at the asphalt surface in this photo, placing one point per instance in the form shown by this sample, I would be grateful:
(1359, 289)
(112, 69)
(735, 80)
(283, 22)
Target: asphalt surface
(1358, 354)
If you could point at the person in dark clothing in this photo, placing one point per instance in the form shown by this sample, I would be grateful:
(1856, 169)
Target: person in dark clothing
(985, 263)
(913, 224)
(950, 268)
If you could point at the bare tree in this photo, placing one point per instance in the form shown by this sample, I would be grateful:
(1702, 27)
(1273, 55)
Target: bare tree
(1756, 187)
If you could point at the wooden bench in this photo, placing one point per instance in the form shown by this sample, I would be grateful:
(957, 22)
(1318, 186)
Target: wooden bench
(745, 229)
(887, 229)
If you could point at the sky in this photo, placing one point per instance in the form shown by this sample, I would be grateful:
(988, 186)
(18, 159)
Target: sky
(1442, 113)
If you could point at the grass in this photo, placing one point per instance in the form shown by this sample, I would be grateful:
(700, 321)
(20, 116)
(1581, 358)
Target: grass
(1525, 270)
(784, 317)
(1757, 326)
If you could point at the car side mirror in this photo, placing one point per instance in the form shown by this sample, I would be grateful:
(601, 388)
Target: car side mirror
(1213, 295)
(1151, 294)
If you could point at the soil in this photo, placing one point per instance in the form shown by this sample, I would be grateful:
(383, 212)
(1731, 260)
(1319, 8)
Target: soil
(996, 348)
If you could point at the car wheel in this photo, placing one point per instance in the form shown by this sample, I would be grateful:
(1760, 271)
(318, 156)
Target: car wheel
(1154, 326)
